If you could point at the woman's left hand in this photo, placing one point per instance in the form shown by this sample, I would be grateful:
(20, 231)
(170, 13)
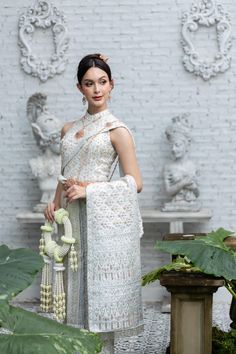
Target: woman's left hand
(75, 192)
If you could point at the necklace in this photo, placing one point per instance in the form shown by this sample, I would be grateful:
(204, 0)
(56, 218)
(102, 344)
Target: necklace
(80, 133)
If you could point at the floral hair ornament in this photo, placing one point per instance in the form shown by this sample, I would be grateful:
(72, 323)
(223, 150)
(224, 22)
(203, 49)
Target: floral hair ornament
(103, 57)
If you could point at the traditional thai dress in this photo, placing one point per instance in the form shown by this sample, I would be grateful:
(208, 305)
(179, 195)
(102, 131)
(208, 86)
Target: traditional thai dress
(105, 294)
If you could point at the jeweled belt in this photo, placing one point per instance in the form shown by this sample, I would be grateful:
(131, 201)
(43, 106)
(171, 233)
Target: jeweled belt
(68, 182)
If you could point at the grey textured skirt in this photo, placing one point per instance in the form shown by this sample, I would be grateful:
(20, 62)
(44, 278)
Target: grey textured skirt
(76, 289)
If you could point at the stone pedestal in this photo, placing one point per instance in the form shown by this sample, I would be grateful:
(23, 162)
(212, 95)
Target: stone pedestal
(28, 217)
(191, 311)
(166, 305)
(176, 219)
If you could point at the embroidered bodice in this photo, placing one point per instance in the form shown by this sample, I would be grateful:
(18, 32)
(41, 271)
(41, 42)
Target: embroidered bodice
(95, 158)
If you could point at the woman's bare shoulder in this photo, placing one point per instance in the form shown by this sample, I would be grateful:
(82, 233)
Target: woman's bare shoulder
(66, 127)
(121, 134)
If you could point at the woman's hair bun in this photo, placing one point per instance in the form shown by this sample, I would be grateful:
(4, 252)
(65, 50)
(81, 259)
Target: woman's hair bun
(98, 56)
(93, 60)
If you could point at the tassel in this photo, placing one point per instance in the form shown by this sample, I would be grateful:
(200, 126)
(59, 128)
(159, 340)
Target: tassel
(59, 303)
(73, 258)
(50, 250)
(46, 285)
(41, 246)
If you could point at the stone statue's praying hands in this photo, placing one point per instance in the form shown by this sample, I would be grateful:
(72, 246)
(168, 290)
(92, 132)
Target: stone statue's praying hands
(180, 175)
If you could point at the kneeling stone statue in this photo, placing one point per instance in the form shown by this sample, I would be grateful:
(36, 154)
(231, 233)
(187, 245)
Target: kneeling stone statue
(180, 175)
(47, 130)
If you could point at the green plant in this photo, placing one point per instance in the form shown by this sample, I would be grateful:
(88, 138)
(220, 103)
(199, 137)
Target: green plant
(18, 268)
(223, 342)
(208, 254)
(30, 332)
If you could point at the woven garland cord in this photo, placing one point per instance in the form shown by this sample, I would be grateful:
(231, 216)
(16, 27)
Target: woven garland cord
(69, 240)
(50, 251)
(59, 297)
(46, 285)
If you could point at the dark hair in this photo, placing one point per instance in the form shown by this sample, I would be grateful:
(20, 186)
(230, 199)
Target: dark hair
(92, 60)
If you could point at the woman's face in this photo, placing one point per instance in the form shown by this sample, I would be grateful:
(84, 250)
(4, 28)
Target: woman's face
(178, 149)
(96, 86)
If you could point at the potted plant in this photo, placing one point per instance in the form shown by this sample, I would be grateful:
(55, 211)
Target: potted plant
(210, 255)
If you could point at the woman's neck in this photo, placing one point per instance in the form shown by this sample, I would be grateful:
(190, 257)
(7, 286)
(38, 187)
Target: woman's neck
(93, 110)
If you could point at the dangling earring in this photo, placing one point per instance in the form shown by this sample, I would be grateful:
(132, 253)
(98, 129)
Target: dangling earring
(84, 100)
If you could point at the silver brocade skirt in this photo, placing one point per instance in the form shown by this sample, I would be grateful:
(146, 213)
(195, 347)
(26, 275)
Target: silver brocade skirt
(76, 282)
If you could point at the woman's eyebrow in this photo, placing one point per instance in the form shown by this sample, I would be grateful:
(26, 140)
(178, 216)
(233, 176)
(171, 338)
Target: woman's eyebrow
(98, 79)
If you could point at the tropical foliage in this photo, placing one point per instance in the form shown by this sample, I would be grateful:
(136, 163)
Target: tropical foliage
(30, 333)
(223, 342)
(17, 270)
(208, 254)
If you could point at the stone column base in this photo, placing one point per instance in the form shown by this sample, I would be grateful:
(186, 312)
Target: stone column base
(191, 311)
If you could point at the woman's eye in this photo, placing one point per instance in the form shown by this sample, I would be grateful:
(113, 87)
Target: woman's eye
(88, 84)
(103, 82)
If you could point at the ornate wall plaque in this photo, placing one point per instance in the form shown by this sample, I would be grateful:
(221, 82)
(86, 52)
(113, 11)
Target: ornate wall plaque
(206, 13)
(43, 16)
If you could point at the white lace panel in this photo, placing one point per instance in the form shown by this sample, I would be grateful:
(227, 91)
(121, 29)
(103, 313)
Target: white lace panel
(94, 161)
(114, 269)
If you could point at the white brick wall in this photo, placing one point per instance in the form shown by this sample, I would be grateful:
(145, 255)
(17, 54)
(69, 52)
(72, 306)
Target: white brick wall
(142, 39)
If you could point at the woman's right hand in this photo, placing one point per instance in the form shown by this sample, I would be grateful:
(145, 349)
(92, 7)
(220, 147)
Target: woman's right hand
(49, 211)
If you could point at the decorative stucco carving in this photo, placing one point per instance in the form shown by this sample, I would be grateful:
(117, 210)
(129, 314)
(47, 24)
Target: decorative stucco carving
(206, 13)
(43, 15)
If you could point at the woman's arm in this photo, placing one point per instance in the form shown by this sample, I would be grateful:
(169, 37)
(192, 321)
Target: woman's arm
(57, 197)
(56, 203)
(74, 192)
(123, 144)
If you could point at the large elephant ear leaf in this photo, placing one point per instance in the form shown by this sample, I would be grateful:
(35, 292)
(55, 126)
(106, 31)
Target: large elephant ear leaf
(32, 333)
(180, 264)
(216, 238)
(209, 253)
(18, 268)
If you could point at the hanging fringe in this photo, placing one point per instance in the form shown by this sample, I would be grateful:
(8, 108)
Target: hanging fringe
(46, 285)
(51, 251)
(73, 259)
(59, 303)
(41, 246)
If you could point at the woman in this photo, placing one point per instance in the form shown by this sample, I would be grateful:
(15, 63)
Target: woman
(105, 296)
